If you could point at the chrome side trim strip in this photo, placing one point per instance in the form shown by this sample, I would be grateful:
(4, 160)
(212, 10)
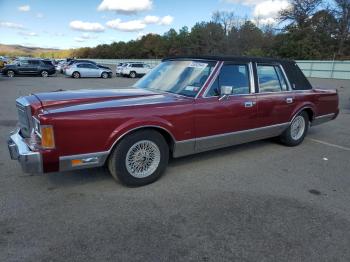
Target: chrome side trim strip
(184, 148)
(322, 119)
(89, 160)
(201, 144)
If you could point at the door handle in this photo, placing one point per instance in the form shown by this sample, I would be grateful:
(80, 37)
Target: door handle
(289, 100)
(249, 104)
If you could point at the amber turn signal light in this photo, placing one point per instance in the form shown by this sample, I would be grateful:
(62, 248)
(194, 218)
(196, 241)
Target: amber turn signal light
(47, 137)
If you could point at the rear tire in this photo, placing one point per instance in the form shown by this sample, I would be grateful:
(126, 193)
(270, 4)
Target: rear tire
(76, 75)
(297, 130)
(139, 159)
(44, 73)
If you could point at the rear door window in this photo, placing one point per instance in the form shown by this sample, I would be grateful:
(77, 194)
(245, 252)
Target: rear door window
(34, 62)
(271, 79)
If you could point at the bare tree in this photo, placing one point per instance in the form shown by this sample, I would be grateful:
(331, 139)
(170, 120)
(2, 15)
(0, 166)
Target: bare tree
(226, 19)
(300, 11)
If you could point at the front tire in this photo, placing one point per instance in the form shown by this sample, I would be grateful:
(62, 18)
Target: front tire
(104, 75)
(140, 158)
(297, 130)
(10, 73)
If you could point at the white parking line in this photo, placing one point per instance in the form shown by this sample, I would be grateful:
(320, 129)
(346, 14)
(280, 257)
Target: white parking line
(329, 144)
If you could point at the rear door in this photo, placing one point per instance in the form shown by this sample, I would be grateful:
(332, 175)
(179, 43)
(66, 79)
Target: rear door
(275, 98)
(34, 66)
(94, 70)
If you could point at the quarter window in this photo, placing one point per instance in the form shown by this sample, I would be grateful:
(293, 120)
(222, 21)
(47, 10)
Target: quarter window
(235, 75)
(271, 79)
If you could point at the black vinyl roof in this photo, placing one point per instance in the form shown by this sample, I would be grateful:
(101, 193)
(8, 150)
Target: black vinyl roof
(231, 58)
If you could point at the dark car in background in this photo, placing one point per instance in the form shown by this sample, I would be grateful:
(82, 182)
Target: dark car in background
(40, 67)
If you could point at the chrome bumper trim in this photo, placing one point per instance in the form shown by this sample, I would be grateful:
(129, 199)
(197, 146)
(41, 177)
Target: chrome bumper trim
(30, 161)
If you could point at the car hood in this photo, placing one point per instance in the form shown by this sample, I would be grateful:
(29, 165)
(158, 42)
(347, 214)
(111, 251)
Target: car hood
(62, 101)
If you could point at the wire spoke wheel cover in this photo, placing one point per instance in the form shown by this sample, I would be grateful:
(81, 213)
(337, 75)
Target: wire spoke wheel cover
(142, 159)
(298, 128)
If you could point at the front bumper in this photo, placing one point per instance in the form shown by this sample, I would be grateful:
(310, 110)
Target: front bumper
(30, 161)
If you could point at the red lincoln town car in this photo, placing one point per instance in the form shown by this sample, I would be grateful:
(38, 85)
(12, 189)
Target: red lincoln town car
(184, 106)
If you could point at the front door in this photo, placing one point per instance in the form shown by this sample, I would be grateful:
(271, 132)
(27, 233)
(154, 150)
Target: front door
(24, 67)
(224, 121)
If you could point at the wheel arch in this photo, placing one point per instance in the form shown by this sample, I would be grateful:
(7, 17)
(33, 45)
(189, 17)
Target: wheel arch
(168, 136)
(308, 109)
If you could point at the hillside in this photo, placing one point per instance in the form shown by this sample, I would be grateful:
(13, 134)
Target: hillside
(19, 50)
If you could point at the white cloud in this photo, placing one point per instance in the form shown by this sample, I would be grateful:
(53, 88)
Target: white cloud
(166, 20)
(11, 25)
(151, 19)
(130, 26)
(125, 6)
(264, 11)
(269, 8)
(27, 33)
(86, 26)
(39, 15)
(24, 8)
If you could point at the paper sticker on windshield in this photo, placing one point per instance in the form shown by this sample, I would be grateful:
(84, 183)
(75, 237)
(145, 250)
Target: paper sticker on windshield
(191, 88)
(198, 65)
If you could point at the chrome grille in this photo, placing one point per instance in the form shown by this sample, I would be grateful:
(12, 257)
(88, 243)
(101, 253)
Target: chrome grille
(24, 116)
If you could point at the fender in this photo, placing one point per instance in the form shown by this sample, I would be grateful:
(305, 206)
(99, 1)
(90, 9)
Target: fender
(135, 124)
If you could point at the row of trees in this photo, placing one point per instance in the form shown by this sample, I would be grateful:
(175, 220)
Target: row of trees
(308, 29)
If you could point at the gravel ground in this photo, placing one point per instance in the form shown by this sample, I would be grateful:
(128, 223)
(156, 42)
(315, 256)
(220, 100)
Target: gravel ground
(255, 202)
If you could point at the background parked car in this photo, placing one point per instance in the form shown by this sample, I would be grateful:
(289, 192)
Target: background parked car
(120, 66)
(135, 69)
(84, 69)
(29, 67)
(74, 61)
(60, 65)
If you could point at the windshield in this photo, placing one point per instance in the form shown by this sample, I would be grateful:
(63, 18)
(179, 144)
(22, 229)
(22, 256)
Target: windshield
(178, 77)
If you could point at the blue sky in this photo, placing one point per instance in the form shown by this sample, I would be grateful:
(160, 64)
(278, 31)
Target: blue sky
(76, 23)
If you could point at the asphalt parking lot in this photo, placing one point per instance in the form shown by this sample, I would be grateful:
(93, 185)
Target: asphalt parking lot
(255, 202)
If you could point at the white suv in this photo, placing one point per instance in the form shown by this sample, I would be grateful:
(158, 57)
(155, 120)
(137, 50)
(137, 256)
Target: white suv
(135, 69)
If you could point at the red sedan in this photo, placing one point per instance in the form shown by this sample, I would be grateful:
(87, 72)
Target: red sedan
(184, 106)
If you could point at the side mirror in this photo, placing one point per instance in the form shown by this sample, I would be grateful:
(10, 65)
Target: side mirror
(225, 91)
